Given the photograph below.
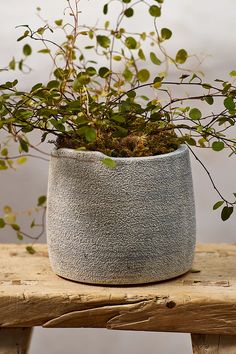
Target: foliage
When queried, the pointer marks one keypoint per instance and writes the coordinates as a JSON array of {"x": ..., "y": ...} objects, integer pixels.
[{"x": 95, "y": 98}]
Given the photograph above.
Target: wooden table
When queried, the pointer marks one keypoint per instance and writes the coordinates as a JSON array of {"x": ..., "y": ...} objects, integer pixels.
[{"x": 201, "y": 303}]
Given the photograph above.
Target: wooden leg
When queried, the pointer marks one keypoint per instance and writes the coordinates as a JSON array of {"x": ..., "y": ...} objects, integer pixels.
[
  {"x": 213, "y": 344},
  {"x": 14, "y": 340}
]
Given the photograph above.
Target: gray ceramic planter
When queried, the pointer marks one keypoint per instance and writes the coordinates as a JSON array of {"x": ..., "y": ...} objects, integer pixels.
[{"x": 129, "y": 225}]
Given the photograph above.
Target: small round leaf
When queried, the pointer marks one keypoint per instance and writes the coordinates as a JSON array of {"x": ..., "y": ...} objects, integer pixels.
[
  {"x": 226, "y": 213},
  {"x": 218, "y": 145},
  {"x": 195, "y": 114},
  {"x": 229, "y": 103},
  {"x": 166, "y": 33},
  {"x": 103, "y": 41},
  {"x": 181, "y": 56},
  {"x": 108, "y": 162},
  {"x": 143, "y": 75},
  {"x": 131, "y": 43},
  {"x": 2, "y": 223},
  {"x": 27, "y": 50},
  {"x": 129, "y": 12},
  {"x": 155, "y": 11},
  {"x": 104, "y": 72}
]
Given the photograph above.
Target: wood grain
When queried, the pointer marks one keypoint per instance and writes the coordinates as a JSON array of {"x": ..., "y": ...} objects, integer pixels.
[
  {"x": 205, "y": 302},
  {"x": 14, "y": 340},
  {"x": 213, "y": 344}
]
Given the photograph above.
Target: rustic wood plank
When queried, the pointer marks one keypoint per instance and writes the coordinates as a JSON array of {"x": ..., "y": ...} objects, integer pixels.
[
  {"x": 213, "y": 344},
  {"x": 15, "y": 340},
  {"x": 32, "y": 295}
]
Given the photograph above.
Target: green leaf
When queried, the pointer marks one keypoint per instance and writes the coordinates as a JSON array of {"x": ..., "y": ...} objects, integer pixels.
[
  {"x": 190, "y": 140},
  {"x": 12, "y": 64},
  {"x": 154, "y": 59},
  {"x": 53, "y": 84},
  {"x": 131, "y": 43},
  {"x": 27, "y": 50},
  {"x": 41, "y": 30},
  {"x": 4, "y": 152},
  {"x": 21, "y": 160},
  {"x": 2, "y": 223},
  {"x": 117, "y": 57},
  {"x": 143, "y": 75},
  {"x": 30, "y": 249},
  {"x": 143, "y": 36},
  {"x": 155, "y": 11},
  {"x": 126, "y": 1},
  {"x": 131, "y": 94},
  {"x": 58, "y": 125},
  {"x": 141, "y": 54},
  {"x": 44, "y": 51},
  {"x": 80, "y": 81},
  {"x": 226, "y": 213},
  {"x": 3, "y": 165},
  {"x": 120, "y": 132},
  {"x": 108, "y": 162},
  {"x": 89, "y": 133},
  {"x": 229, "y": 103},
  {"x": 129, "y": 12},
  {"x": 59, "y": 73},
  {"x": 232, "y": 73},
  {"x": 24, "y": 36},
  {"x": 195, "y": 270},
  {"x": 166, "y": 33},
  {"x": 19, "y": 236},
  {"x": 15, "y": 227},
  {"x": 91, "y": 71},
  {"x": 206, "y": 86},
  {"x": 209, "y": 99},
  {"x": 218, "y": 145},
  {"x": 155, "y": 117},
  {"x": 226, "y": 88},
  {"x": 42, "y": 200},
  {"x": 195, "y": 114},
  {"x": 218, "y": 204},
  {"x": 103, "y": 41},
  {"x": 104, "y": 72},
  {"x": 181, "y": 56},
  {"x": 7, "y": 209},
  {"x": 59, "y": 22},
  {"x": 24, "y": 145},
  {"x": 105, "y": 9},
  {"x": 36, "y": 87},
  {"x": 10, "y": 218},
  {"x": 128, "y": 75},
  {"x": 118, "y": 118}
]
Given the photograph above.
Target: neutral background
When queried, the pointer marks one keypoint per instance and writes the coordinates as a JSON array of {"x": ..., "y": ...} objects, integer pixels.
[{"x": 202, "y": 27}]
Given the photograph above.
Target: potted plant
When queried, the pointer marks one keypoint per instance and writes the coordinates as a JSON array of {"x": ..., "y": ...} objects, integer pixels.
[{"x": 120, "y": 195}]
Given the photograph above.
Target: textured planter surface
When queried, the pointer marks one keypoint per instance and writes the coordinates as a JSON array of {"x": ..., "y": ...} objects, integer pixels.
[{"x": 129, "y": 225}]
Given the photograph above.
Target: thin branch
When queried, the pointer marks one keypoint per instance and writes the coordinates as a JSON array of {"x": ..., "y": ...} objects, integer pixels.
[{"x": 210, "y": 177}]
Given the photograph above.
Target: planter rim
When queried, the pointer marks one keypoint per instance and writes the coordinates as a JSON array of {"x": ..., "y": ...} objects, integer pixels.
[{"x": 75, "y": 154}]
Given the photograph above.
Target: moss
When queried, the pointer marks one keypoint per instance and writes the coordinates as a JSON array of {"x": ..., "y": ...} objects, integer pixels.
[{"x": 152, "y": 141}]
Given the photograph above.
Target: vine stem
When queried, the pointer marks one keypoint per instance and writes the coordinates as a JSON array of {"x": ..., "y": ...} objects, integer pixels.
[
  {"x": 23, "y": 155},
  {"x": 163, "y": 83},
  {"x": 210, "y": 177}
]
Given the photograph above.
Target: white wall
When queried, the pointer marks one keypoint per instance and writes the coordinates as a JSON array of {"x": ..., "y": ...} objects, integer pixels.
[{"x": 206, "y": 27}]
